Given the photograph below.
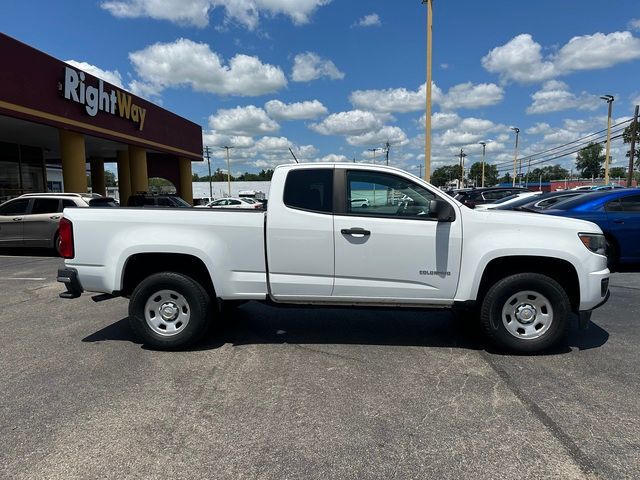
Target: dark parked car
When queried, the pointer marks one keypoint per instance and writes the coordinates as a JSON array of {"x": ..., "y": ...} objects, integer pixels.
[
  {"x": 166, "y": 201},
  {"x": 541, "y": 202},
  {"x": 478, "y": 196},
  {"x": 617, "y": 213}
]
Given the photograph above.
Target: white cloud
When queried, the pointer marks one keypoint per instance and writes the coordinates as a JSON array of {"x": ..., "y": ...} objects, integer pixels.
[
  {"x": 468, "y": 95},
  {"x": 634, "y": 24},
  {"x": 111, "y": 76},
  {"x": 371, "y": 20},
  {"x": 333, "y": 158},
  {"x": 440, "y": 120},
  {"x": 245, "y": 121},
  {"x": 555, "y": 96},
  {"x": 390, "y": 100},
  {"x": 310, "y": 66},
  {"x": 521, "y": 60},
  {"x": 216, "y": 139},
  {"x": 539, "y": 128},
  {"x": 352, "y": 123},
  {"x": 463, "y": 95},
  {"x": 295, "y": 111},
  {"x": 185, "y": 62},
  {"x": 196, "y": 12},
  {"x": 273, "y": 144},
  {"x": 393, "y": 135}
]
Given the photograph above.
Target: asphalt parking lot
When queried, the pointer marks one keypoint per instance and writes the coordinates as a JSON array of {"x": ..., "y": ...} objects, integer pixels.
[{"x": 296, "y": 393}]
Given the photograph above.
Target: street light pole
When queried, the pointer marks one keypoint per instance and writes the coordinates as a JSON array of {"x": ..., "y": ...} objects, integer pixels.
[
  {"x": 374, "y": 150},
  {"x": 515, "y": 157},
  {"x": 228, "y": 169},
  {"x": 427, "y": 122},
  {"x": 462, "y": 155},
  {"x": 609, "y": 99},
  {"x": 484, "y": 146},
  {"x": 207, "y": 151}
]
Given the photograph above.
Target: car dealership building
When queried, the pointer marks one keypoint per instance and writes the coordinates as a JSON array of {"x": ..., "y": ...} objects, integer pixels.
[{"x": 53, "y": 114}]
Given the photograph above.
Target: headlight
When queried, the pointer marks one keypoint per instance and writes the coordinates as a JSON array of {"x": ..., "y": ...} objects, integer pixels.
[{"x": 594, "y": 242}]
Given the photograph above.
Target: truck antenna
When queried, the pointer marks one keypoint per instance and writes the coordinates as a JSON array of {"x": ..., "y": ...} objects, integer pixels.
[{"x": 294, "y": 156}]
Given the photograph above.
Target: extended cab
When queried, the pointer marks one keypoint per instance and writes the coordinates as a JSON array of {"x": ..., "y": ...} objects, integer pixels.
[{"x": 413, "y": 246}]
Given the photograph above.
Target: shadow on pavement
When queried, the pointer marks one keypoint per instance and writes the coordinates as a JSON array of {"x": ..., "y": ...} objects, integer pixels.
[{"x": 255, "y": 323}]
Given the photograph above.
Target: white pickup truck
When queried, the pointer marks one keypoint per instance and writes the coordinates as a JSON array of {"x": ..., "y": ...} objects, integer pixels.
[{"x": 521, "y": 274}]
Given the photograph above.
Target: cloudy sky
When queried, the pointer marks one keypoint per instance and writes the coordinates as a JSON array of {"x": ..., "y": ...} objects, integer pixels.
[{"x": 334, "y": 78}]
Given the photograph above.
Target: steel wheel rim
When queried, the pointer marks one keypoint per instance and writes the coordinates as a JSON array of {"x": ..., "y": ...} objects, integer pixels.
[
  {"x": 527, "y": 315},
  {"x": 167, "y": 313}
]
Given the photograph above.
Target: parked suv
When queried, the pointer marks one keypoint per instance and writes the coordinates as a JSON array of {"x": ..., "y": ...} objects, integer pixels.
[
  {"x": 479, "y": 196},
  {"x": 31, "y": 220}
]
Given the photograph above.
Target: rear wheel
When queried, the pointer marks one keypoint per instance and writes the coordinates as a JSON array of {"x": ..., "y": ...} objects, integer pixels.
[
  {"x": 56, "y": 244},
  {"x": 169, "y": 310},
  {"x": 526, "y": 312}
]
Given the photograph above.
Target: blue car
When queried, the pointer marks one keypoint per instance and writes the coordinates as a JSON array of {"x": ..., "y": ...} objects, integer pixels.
[{"x": 617, "y": 213}]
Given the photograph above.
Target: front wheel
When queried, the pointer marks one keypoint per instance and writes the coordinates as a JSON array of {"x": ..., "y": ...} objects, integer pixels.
[
  {"x": 526, "y": 312},
  {"x": 169, "y": 310}
]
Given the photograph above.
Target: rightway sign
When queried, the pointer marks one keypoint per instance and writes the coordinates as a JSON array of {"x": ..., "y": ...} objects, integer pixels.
[{"x": 95, "y": 99}]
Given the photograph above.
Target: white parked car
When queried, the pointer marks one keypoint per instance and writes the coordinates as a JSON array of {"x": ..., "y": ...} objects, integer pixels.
[
  {"x": 506, "y": 200},
  {"x": 359, "y": 202},
  {"x": 232, "y": 202}
]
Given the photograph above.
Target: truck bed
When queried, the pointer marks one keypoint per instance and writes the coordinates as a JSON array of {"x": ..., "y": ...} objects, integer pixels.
[{"x": 232, "y": 240}]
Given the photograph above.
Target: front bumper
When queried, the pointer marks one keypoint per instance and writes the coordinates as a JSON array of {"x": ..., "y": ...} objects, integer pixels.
[
  {"x": 584, "y": 316},
  {"x": 69, "y": 276}
]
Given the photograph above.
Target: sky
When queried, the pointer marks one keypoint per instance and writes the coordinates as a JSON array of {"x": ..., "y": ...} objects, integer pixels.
[{"x": 333, "y": 79}]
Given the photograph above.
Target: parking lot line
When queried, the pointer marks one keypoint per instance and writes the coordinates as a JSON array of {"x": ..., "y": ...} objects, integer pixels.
[{"x": 23, "y": 278}]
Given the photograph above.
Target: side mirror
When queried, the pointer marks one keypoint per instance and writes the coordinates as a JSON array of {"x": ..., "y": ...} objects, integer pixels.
[{"x": 441, "y": 211}]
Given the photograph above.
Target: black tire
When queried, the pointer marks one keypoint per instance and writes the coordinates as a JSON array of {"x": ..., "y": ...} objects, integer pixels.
[
  {"x": 56, "y": 244},
  {"x": 189, "y": 301},
  {"x": 612, "y": 255},
  {"x": 526, "y": 313}
]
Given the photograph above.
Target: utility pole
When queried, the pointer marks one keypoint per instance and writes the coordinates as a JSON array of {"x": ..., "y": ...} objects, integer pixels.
[
  {"x": 207, "y": 152},
  {"x": 427, "y": 120},
  {"x": 374, "y": 150},
  {"x": 228, "y": 168},
  {"x": 609, "y": 99},
  {"x": 634, "y": 127},
  {"x": 387, "y": 146},
  {"x": 484, "y": 147},
  {"x": 420, "y": 167},
  {"x": 462, "y": 155},
  {"x": 515, "y": 157}
]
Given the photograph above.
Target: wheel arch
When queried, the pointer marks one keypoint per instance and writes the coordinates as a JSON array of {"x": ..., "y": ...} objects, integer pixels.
[
  {"x": 139, "y": 266},
  {"x": 560, "y": 270}
]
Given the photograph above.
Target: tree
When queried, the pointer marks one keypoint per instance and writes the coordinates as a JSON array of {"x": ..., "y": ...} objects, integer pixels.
[
  {"x": 195, "y": 178},
  {"x": 443, "y": 175},
  {"x": 109, "y": 179},
  {"x": 589, "y": 161},
  {"x": 626, "y": 136},
  {"x": 490, "y": 174},
  {"x": 615, "y": 172},
  {"x": 506, "y": 178},
  {"x": 548, "y": 173}
]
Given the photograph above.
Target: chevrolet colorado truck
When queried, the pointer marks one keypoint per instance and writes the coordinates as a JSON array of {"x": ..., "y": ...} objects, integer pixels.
[{"x": 523, "y": 276}]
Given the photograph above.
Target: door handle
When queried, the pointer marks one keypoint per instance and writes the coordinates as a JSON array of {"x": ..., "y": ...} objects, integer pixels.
[
  {"x": 55, "y": 217},
  {"x": 618, "y": 221},
  {"x": 355, "y": 231},
  {"x": 17, "y": 219}
]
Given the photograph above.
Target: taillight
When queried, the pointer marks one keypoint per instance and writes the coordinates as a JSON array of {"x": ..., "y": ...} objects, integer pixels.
[{"x": 65, "y": 238}]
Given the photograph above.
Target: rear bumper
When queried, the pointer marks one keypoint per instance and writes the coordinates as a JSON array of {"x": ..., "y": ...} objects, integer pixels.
[{"x": 69, "y": 276}]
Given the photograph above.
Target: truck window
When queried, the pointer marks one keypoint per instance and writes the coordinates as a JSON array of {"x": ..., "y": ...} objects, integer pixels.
[
  {"x": 310, "y": 189},
  {"x": 386, "y": 195}
]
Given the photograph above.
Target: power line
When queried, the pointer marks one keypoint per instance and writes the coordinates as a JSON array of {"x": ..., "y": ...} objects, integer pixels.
[{"x": 581, "y": 140}]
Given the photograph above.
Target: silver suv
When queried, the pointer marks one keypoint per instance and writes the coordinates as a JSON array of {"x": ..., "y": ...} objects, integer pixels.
[{"x": 31, "y": 220}]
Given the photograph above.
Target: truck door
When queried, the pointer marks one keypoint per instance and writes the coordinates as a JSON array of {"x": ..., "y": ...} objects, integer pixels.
[
  {"x": 388, "y": 250},
  {"x": 300, "y": 250}
]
